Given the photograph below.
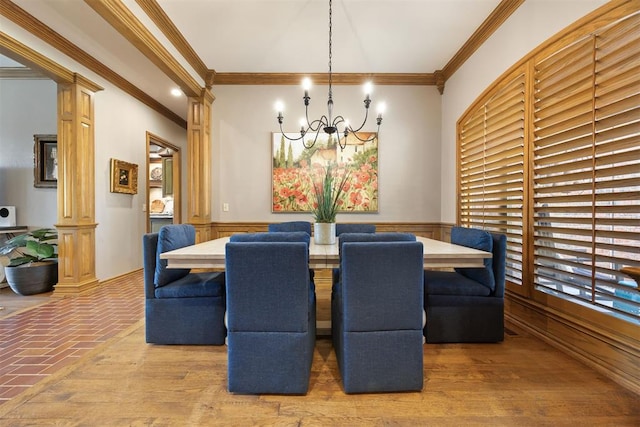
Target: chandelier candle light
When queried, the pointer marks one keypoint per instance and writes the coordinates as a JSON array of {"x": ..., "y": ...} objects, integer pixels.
[{"x": 328, "y": 123}]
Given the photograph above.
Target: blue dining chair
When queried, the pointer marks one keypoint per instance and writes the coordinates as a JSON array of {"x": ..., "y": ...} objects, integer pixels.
[
  {"x": 467, "y": 304},
  {"x": 377, "y": 316},
  {"x": 271, "y": 317},
  {"x": 181, "y": 307}
]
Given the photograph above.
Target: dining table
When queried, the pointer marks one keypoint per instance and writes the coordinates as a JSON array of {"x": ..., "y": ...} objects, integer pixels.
[{"x": 437, "y": 254}]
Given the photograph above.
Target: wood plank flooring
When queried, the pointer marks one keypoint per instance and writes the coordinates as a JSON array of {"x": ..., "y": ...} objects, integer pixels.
[{"x": 126, "y": 382}]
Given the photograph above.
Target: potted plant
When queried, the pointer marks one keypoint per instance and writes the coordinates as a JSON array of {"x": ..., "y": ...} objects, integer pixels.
[
  {"x": 33, "y": 264},
  {"x": 328, "y": 191}
]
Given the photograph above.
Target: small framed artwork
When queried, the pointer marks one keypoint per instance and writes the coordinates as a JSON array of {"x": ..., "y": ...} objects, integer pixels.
[
  {"x": 124, "y": 177},
  {"x": 155, "y": 173},
  {"x": 45, "y": 154}
]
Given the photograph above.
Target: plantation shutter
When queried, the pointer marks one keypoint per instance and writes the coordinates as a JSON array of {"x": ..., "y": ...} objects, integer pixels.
[
  {"x": 491, "y": 159},
  {"x": 587, "y": 167},
  {"x": 617, "y": 163}
]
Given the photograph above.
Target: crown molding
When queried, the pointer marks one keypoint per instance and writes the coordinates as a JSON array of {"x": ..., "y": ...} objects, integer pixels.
[
  {"x": 484, "y": 31},
  {"x": 20, "y": 52},
  {"x": 409, "y": 79},
  {"x": 126, "y": 23},
  {"x": 171, "y": 32},
  {"x": 122, "y": 19},
  {"x": 21, "y": 73},
  {"x": 26, "y": 56}
]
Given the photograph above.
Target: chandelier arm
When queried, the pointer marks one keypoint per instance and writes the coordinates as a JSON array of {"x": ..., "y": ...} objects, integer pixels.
[
  {"x": 366, "y": 117},
  {"x": 373, "y": 138},
  {"x": 314, "y": 140},
  {"x": 321, "y": 122},
  {"x": 291, "y": 139},
  {"x": 337, "y": 120}
]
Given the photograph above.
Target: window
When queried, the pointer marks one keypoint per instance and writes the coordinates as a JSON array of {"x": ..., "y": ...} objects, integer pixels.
[{"x": 579, "y": 194}]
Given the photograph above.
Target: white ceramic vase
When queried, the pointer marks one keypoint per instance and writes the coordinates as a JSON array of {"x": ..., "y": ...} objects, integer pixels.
[{"x": 324, "y": 233}]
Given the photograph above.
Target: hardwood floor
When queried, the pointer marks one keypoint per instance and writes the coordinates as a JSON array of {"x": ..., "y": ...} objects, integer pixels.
[{"x": 124, "y": 381}]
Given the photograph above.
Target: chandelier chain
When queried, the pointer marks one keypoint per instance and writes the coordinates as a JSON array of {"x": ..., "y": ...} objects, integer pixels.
[{"x": 330, "y": 33}]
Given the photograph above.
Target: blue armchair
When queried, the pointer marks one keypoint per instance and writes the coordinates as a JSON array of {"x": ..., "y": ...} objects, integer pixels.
[
  {"x": 271, "y": 317},
  {"x": 377, "y": 317},
  {"x": 291, "y": 226},
  {"x": 180, "y": 307},
  {"x": 467, "y": 305}
]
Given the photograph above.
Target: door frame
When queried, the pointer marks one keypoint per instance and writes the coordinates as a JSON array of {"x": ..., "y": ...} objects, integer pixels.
[{"x": 177, "y": 187}]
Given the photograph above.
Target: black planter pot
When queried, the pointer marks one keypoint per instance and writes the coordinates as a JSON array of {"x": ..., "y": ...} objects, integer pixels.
[{"x": 32, "y": 279}]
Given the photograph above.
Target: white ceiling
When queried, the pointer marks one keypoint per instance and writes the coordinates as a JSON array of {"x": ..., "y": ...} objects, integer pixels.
[{"x": 369, "y": 36}]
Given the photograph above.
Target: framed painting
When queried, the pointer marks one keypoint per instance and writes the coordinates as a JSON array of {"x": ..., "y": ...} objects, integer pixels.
[
  {"x": 155, "y": 173},
  {"x": 124, "y": 177},
  {"x": 45, "y": 154},
  {"x": 293, "y": 168}
]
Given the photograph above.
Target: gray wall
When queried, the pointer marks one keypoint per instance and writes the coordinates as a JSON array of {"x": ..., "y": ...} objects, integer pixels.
[
  {"x": 409, "y": 149},
  {"x": 27, "y": 107}
]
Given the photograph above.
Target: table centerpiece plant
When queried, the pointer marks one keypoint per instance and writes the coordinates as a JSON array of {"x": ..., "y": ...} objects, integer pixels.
[{"x": 329, "y": 184}]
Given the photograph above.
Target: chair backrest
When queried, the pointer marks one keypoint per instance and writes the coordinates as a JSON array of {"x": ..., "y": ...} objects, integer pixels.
[
  {"x": 149, "y": 255},
  {"x": 281, "y": 236},
  {"x": 499, "y": 262},
  {"x": 268, "y": 286},
  {"x": 492, "y": 275},
  {"x": 171, "y": 237},
  {"x": 291, "y": 226},
  {"x": 382, "y": 285},
  {"x": 355, "y": 228},
  {"x": 168, "y": 238},
  {"x": 375, "y": 237}
]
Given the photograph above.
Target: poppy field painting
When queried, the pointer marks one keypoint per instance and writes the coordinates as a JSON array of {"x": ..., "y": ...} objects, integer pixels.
[{"x": 294, "y": 169}]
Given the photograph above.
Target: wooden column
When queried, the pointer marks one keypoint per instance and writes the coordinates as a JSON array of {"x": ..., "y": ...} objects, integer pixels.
[
  {"x": 199, "y": 164},
  {"x": 76, "y": 187}
]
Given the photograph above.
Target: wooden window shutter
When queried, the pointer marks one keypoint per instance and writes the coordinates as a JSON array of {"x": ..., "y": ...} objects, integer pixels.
[
  {"x": 491, "y": 161},
  {"x": 587, "y": 167}
]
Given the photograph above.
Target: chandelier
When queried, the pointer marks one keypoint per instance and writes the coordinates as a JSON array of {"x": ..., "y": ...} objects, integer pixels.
[{"x": 327, "y": 123}]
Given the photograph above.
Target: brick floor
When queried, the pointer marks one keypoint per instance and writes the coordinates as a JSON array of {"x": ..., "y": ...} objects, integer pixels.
[{"x": 40, "y": 341}]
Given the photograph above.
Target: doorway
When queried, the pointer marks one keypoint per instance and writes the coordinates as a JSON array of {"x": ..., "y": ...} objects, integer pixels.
[{"x": 163, "y": 183}]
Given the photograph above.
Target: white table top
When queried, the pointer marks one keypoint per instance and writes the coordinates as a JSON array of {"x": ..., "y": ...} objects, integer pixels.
[{"x": 437, "y": 254}]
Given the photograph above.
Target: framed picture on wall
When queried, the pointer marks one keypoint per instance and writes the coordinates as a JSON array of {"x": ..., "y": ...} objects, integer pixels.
[
  {"x": 155, "y": 173},
  {"x": 124, "y": 177},
  {"x": 293, "y": 168},
  {"x": 45, "y": 155}
]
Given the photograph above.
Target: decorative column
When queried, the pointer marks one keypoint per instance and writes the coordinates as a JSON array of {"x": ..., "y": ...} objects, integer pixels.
[
  {"x": 76, "y": 187},
  {"x": 199, "y": 164}
]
